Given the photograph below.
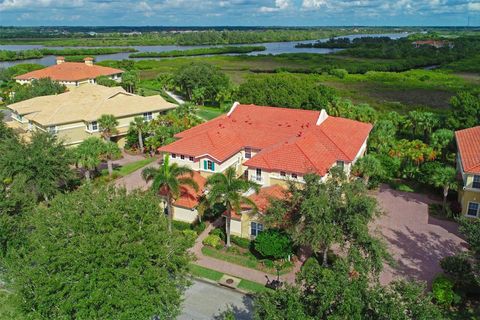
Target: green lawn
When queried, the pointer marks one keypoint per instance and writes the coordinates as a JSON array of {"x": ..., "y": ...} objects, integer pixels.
[
  {"x": 134, "y": 166},
  {"x": 7, "y": 307},
  {"x": 201, "y": 272},
  {"x": 209, "y": 113},
  {"x": 251, "y": 286}
]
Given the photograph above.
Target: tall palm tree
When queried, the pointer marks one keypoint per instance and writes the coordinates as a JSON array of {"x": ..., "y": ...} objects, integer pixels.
[
  {"x": 110, "y": 152},
  {"x": 444, "y": 177},
  {"x": 138, "y": 124},
  {"x": 108, "y": 126},
  {"x": 227, "y": 189},
  {"x": 167, "y": 180},
  {"x": 88, "y": 155}
]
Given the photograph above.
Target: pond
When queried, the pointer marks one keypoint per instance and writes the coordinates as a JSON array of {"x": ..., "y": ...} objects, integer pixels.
[{"x": 271, "y": 48}]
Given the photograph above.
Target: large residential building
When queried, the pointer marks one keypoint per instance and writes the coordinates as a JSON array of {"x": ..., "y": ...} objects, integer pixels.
[
  {"x": 270, "y": 146},
  {"x": 468, "y": 164},
  {"x": 71, "y": 74},
  {"x": 73, "y": 115}
]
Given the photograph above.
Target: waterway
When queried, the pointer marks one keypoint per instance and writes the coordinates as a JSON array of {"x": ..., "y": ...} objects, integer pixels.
[{"x": 273, "y": 48}]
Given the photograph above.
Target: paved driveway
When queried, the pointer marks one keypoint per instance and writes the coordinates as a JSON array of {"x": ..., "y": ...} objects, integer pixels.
[
  {"x": 417, "y": 241},
  {"x": 207, "y": 301}
]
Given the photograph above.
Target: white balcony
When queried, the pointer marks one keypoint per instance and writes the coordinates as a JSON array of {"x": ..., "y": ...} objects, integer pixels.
[{"x": 256, "y": 178}]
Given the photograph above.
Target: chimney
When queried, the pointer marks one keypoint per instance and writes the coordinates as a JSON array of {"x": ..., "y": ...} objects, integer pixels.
[
  {"x": 60, "y": 60},
  {"x": 88, "y": 61},
  {"x": 323, "y": 116}
]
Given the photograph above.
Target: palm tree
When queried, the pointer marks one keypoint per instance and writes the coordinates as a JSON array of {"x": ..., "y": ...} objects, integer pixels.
[
  {"x": 88, "y": 155},
  {"x": 227, "y": 189},
  {"x": 168, "y": 179},
  {"x": 444, "y": 177},
  {"x": 111, "y": 151},
  {"x": 138, "y": 124},
  {"x": 108, "y": 126},
  {"x": 369, "y": 166}
]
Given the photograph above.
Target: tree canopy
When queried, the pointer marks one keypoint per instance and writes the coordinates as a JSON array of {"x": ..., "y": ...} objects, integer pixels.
[
  {"x": 41, "y": 87},
  {"x": 100, "y": 254}
]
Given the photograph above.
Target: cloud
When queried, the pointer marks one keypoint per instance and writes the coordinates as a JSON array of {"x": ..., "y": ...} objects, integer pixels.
[{"x": 278, "y": 5}]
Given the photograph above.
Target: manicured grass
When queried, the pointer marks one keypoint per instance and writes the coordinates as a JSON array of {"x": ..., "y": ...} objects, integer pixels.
[
  {"x": 7, "y": 307},
  {"x": 134, "y": 166},
  {"x": 201, "y": 272},
  {"x": 251, "y": 286},
  {"x": 208, "y": 113}
]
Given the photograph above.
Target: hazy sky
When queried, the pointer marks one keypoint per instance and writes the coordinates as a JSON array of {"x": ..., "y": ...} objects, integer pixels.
[{"x": 239, "y": 12}]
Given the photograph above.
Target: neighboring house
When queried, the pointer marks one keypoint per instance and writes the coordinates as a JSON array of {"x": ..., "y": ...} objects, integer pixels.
[
  {"x": 433, "y": 43},
  {"x": 72, "y": 74},
  {"x": 270, "y": 146},
  {"x": 468, "y": 164},
  {"x": 73, "y": 115}
]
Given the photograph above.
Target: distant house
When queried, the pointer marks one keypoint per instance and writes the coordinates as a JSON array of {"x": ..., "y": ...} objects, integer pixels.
[
  {"x": 433, "y": 43},
  {"x": 270, "y": 146},
  {"x": 468, "y": 165},
  {"x": 71, "y": 74},
  {"x": 73, "y": 115}
]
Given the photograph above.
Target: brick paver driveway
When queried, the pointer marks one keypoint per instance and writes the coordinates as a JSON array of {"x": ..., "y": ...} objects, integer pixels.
[{"x": 417, "y": 241}]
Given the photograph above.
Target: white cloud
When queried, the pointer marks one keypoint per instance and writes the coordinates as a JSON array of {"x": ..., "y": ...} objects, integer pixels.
[{"x": 279, "y": 5}]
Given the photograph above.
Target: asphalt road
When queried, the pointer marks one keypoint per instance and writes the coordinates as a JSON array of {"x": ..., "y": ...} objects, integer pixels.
[{"x": 207, "y": 301}]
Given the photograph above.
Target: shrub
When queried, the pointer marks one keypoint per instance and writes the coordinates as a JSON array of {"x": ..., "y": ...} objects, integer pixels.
[
  {"x": 180, "y": 225},
  {"x": 443, "y": 293},
  {"x": 199, "y": 227},
  {"x": 459, "y": 267},
  {"x": 241, "y": 242},
  {"x": 268, "y": 263},
  {"x": 190, "y": 235},
  {"x": 456, "y": 208},
  {"x": 339, "y": 73},
  {"x": 218, "y": 232},
  {"x": 213, "y": 241},
  {"x": 274, "y": 244}
]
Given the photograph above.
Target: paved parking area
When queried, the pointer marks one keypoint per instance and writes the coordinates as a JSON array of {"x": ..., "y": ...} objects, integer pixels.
[
  {"x": 207, "y": 301},
  {"x": 417, "y": 241}
]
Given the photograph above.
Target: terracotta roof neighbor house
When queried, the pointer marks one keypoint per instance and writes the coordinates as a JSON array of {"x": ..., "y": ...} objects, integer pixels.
[
  {"x": 468, "y": 142},
  {"x": 291, "y": 140},
  {"x": 71, "y": 72},
  {"x": 263, "y": 197},
  {"x": 189, "y": 198}
]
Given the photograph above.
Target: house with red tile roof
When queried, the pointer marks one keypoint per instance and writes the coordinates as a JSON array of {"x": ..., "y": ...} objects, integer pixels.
[
  {"x": 468, "y": 165},
  {"x": 72, "y": 74},
  {"x": 270, "y": 146}
]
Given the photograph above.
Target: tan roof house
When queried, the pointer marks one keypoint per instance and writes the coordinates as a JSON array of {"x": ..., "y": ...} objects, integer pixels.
[
  {"x": 71, "y": 74},
  {"x": 73, "y": 115}
]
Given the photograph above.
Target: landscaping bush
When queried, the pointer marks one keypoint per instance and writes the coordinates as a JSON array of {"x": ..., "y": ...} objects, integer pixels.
[
  {"x": 213, "y": 241},
  {"x": 180, "y": 225},
  {"x": 443, "y": 292},
  {"x": 199, "y": 227},
  {"x": 241, "y": 242},
  {"x": 459, "y": 268},
  {"x": 190, "y": 236},
  {"x": 219, "y": 232},
  {"x": 274, "y": 244}
]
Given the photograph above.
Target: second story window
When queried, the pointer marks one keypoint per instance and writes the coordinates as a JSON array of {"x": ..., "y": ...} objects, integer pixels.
[
  {"x": 248, "y": 153},
  {"x": 283, "y": 174},
  {"x": 93, "y": 126},
  {"x": 341, "y": 164},
  {"x": 294, "y": 176},
  {"x": 52, "y": 129},
  {"x": 191, "y": 159},
  {"x": 147, "y": 116},
  {"x": 476, "y": 182},
  {"x": 208, "y": 165},
  {"x": 174, "y": 156},
  {"x": 182, "y": 157}
]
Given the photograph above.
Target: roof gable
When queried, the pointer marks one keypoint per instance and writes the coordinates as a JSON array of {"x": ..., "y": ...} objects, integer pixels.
[{"x": 468, "y": 142}]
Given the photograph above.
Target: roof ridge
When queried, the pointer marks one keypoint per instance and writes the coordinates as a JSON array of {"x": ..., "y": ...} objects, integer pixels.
[
  {"x": 334, "y": 143},
  {"x": 303, "y": 152}
]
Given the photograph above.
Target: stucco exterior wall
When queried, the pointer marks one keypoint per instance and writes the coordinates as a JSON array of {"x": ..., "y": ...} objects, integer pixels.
[
  {"x": 184, "y": 214},
  {"x": 466, "y": 196},
  {"x": 236, "y": 228}
]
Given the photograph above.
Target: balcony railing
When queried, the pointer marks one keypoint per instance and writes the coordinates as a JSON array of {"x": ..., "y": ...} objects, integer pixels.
[{"x": 256, "y": 178}]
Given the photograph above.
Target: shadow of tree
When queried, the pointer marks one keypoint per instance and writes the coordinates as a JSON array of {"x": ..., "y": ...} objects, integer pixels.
[
  {"x": 244, "y": 313},
  {"x": 418, "y": 254}
]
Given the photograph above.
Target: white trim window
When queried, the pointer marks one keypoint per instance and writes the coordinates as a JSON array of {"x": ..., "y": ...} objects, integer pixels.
[
  {"x": 93, "y": 126},
  {"x": 473, "y": 208},
  {"x": 341, "y": 164},
  {"x": 52, "y": 129},
  {"x": 147, "y": 116},
  {"x": 476, "y": 182},
  {"x": 255, "y": 228},
  {"x": 248, "y": 153}
]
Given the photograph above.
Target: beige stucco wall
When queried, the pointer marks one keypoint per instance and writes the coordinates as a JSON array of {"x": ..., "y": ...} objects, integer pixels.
[
  {"x": 184, "y": 214},
  {"x": 466, "y": 196},
  {"x": 236, "y": 228}
]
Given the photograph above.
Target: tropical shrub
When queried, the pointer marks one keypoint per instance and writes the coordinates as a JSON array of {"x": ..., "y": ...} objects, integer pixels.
[
  {"x": 213, "y": 241},
  {"x": 180, "y": 225},
  {"x": 219, "y": 232},
  {"x": 274, "y": 244},
  {"x": 241, "y": 242},
  {"x": 443, "y": 292},
  {"x": 198, "y": 227},
  {"x": 339, "y": 73}
]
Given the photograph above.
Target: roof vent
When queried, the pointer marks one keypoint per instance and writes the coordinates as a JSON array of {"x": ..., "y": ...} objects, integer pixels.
[
  {"x": 323, "y": 116},
  {"x": 235, "y": 104},
  {"x": 88, "y": 61},
  {"x": 60, "y": 60}
]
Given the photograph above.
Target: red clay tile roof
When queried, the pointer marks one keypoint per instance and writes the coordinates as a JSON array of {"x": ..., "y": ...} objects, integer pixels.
[
  {"x": 188, "y": 196},
  {"x": 262, "y": 199},
  {"x": 69, "y": 71},
  {"x": 468, "y": 142},
  {"x": 290, "y": 139}
]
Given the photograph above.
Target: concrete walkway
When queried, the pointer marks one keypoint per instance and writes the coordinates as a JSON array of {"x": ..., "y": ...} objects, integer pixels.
[
  {"x": 134, "y": 180},
  {"x": 235, "y": 269}
]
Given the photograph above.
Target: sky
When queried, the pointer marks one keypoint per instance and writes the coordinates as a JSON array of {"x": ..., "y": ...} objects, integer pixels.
[{"x": 239, "y": 12}]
